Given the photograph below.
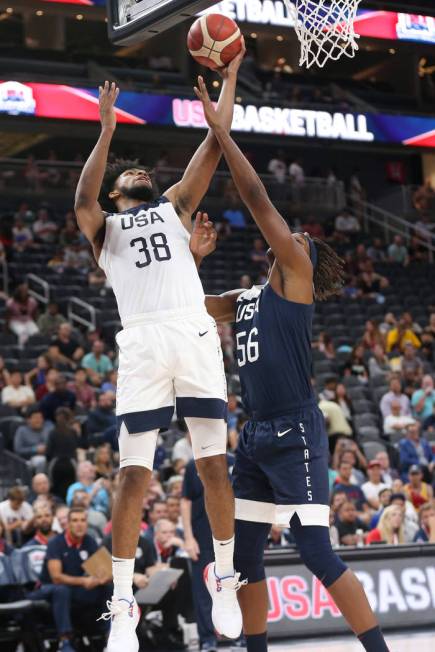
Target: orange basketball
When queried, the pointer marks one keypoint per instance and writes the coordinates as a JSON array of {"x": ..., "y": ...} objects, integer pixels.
[{"x": 214, "y": 40}]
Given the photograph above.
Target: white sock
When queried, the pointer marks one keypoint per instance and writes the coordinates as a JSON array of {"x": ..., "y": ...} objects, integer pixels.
[
  {"x": 224, "y": 556},
  {"x": 123, "y": 570}
]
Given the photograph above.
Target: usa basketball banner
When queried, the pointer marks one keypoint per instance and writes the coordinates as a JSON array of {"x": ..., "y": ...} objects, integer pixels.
[
  {"x": 70, "y": 103},
  {"x": 390, "y": 25},
  {"x": 399, "y": 591}
]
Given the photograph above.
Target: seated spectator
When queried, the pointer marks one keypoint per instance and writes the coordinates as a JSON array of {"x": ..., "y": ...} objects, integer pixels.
[
  {"x": 83, "y": 391},
  {"x": 347, "y": 223},
  {"x": 352, "y": 491},
  {"x": 399, "y": 336},
  {"x": 374, "y": 484},
  {"x": 59, "y": 397},
  {"x": 44, "y": 229},
  {"x": 397, "y": 252},
  {"x": 43, "y": 523},
  {"x": 423, "y": 400},
  {"x": 278, "y": 537},
  {"x": 379, "y": 364},
  {"x": 388, "y": 474},
  {"x": 102, "y": 416},
  {"x": 325, "y": 345},
  {"x": 356, "y": 365},
  {"x": 65, "y": 438},
  {"x": 416, "y": 490},
  {"x": 395, "y": 394},
  {"x": 21, "y": 313},
  {"x": 158, "y": 510},
  {"x": 96, "y": 363},
  {"x": 5, "y": 547},
  {"x": 40, "y": 491},
  {"x": 22, "y": 236},
  {"x": 63, "y": 580},
  {"x": 411, "y": 366},
  {"x": 396, "y": 422},
  {"x": 371, "y": 284},
  {"x": 426, "y": 517},
  {"x": 376, "y": 251},
  {"x": 258, "y": 255},
  {"x": 296, "y": 173},
  {"x": 390, "y": 528},
  {"x": 30, "y": 440},
  {"x": 36, "y": 377},
  {"x": 278, "y": 167},
  {"x": 384, "y": 500},
  {"x": 65, "y": 348},
  {"x": 50, "y": 320},
  {"x": 48, "y": 384},
  {"x": 57, "y": 262},
  {"x": 349, "y": 526},
  {"x": 234, "y": 214},
  {"x": 17, "y": 395},
  {"x": 349, "y": 452},
  {"x": 61, "y": 516},
  {"x": 111, "y": 382},
  {"x": 416, "y": 451},
  {"x": 97, "y": 489},
  {"x": 389, "y": 323},
  {"x": 69, "y": 235},
  {"x": 16, "y": 515},
  {"x": 97, "y": 521},
  {"x": 372, "y": 336}
]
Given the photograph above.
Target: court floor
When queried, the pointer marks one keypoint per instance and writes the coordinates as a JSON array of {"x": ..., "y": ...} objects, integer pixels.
[{"x": 407, "y": 642}]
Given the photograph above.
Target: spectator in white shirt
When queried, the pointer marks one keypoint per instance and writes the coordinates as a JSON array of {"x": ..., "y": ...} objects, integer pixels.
[
  {"x": 396, "y": 422},
  {"x": 296, "y": 172},
  {"x": 278, "y": 167},
  {"x": 347, "y": 223},
  {"x": 17, "y": 395},
  {"x": 395, "y": 394},
  {"x": 16, "y": 515},
  {"x": 374, "y": 485},
  {"x": 44, "y": 229}
]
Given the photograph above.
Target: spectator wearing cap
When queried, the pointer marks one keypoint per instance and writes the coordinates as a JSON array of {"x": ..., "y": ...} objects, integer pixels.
[
  {"x": 416, "y": 490},
  {"x": 16, "y": 515},
  {"x": 374, "y": 485},
  {"x": 426, "y": 517},
  {"x": 415, "y": 451},
  {"x": 396, "y": 422},
  {"x": 423, "y": 399},
  {"x": 50, "y": 320},
  {"x": 390, "y": 528},
  {"x": 17, "y": 395},
  {"x": 30, "y": 440},
  {"x": 397, "y": 252},
  {"x": 96, "y": 363},
  {"x": 395, "y": 394}
]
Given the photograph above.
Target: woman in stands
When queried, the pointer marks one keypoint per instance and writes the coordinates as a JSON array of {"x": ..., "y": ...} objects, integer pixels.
[{"x": 390, "y": 527}]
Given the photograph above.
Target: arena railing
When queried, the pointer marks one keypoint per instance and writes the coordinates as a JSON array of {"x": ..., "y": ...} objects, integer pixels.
[
  {"x": 76, "y": 307},
  {"x": 392, "y": 225},
  {"x": 41, "y": 294}
]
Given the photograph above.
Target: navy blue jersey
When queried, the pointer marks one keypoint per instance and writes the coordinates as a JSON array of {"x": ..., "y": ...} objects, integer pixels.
[{"x": 273, "y": 338}]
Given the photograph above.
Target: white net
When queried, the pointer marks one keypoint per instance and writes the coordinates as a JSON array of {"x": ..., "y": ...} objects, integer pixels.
[{"x": 325, "y": 29}]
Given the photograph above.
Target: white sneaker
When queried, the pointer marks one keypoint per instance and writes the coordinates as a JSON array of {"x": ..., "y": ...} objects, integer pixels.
[
  {"x": 225, "y": 613},
  {"x": 125, "y": 615}
]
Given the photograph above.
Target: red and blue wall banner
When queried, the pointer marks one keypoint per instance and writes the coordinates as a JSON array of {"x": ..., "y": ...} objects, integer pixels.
[
  {"x": 64, "y": 102},
  {"x": 390, "y": 25}
]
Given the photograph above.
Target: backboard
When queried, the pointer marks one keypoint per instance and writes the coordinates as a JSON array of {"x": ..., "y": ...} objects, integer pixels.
[{"x": 132, "y": 21}]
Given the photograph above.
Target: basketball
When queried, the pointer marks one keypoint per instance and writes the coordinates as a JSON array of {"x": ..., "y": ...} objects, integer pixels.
[{"x": 214, "y": 40}]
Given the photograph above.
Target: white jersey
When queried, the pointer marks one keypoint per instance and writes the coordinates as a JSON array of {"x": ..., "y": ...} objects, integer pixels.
[{"x": 148, "y": 263}]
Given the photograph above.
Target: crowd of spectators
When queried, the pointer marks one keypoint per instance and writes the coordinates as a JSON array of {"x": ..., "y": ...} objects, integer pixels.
[{"x": 59, "y": 420}]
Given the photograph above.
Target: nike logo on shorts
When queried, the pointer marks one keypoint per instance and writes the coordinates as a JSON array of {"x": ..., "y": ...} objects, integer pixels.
[
  {"x": 202, "y": 334},
  {"x": 204, "y": 448},
  {"x": 281, "y": 434}
]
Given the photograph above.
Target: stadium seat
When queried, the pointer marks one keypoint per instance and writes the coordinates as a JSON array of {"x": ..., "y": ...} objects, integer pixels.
[
  {"x": 363, "y": 405},
  {"x": 368, "y": 433},
  {"x": 363, "y": 420},
  {"x": 372, "y": 448},
  {"x": 357, "y": 393}
]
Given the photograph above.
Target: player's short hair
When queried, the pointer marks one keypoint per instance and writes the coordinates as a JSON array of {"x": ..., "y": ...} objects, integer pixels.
[
  {"x": 114, "y": 171},
  {"x": 329, "y": 275}
]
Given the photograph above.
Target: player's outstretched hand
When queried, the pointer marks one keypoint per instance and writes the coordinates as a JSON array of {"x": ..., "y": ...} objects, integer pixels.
[
  {"x": 108, "y": 94},
  {"x": 233, "y": 67},
  {"x": 213, "y": 117},
  {"x": 203, "y": 239}
]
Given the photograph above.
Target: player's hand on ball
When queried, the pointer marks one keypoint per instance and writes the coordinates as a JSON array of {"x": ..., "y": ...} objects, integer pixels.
[
  {"x": 203, "y": 238},
  {"x": 108, "y": 94},
  {"x": 233, "y": 67},
  {"x": 211, "y": 114}
]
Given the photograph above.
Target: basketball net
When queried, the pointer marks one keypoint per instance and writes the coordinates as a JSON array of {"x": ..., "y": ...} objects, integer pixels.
[{"x": 325, "y": 29}]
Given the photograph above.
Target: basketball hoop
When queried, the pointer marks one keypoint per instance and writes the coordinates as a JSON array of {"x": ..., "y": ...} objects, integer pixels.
[{"x": 325, "y": 29}]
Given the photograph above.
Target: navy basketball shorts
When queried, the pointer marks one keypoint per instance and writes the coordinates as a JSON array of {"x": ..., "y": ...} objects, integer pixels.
[{"x": 281, "y": 468}]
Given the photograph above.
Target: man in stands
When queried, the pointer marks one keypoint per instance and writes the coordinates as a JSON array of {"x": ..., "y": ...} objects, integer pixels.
[
  {"x": 347, "y": 224},
  {"x": 395, "y": 394},
  {"x": 352, "y": 491},
  {"x": 374, "y": 485},
  {"x": 99, "y": 497},
  {"x": 388, "y": 473},
  {"x": 348, "y": 523},
  {"x": 30, "y": 440},
  {"x": 62, "y": 568},
  {"x": 50, "y": 321},
  {"x": 397, "y": 422},
  {"x": 426, "y": 533},
  {"x": 16, "y": 515},
  {"x": 66, "y": 348},
  {"x": 59, "y": 397},
  {"x": 17, "y": 395},
  {"x": 97, "y": 521},
  {"x": 416, "y": 451},
  {"x": 96, "y": 363},
  {"x": 423, "y": 400},
  {"x": 103, "y": 415},
  {"x": 158, "y": 510},
  {"x": 41, "y": 491},
  {"x": 397, "y": 252},
  {"x": 43, "y": 524}
]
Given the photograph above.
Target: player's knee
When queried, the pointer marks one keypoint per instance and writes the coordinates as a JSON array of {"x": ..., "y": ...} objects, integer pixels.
[
  {"x": 213, "y": 471},
  {"x": 133, "y": 477},
  {"x": 318, "y": 556},
  {"x": 250, "y": 542}
]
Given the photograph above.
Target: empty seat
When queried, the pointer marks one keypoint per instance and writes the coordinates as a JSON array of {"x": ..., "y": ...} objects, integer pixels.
[
  {"x": 363, "y": 405},
  {"x": 368, "y": 433},
  {"x": 364, "y": 420},
  {"x": 372, "y": 448}
]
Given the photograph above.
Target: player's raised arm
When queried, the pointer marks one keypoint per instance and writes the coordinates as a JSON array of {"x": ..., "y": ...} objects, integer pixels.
[
  {"x": 253, "y": 193},
  {"x": 90, "y": 216},
  {"x": 188, "y": 193}
]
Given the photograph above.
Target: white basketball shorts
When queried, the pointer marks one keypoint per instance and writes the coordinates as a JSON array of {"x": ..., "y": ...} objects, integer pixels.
[{"x": 169, "y": 359}]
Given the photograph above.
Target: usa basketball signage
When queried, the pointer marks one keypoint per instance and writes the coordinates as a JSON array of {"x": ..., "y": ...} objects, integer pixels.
[{"x": 396, "y": 588}]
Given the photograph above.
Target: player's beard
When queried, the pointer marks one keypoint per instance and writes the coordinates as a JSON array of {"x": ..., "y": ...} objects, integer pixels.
[{"x": 143, "y": 193}]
